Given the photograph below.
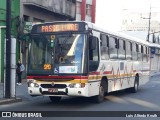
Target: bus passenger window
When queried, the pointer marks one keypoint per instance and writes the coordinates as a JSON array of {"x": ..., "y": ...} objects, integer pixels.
[
  {"x": 145, "y": 54},
  {"x": 141, "y": 49},
  {"x": 128, "y": 50},
  {"x": 121, "y": 50},
  {"x": 134, "y": 51},
  {"x": 140, "y": 53},
  {"x": 104, "y": 47},
  {"x": 112, "y": 48},
  {"x": 137, "y": 48},
  {"x": 117, "y": 43}
]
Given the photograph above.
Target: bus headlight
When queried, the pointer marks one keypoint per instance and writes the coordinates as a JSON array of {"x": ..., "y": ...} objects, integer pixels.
[
  {"x": 33, "y": 85},
  {"x": 76, "y": 85}
]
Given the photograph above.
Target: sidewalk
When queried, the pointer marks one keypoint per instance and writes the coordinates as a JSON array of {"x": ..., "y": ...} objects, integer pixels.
[{"x": 8, "y": 100}]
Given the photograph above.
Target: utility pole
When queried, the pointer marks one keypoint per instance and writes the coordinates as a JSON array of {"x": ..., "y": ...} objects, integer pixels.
[
  {"x": 7, "y": 87},
  {"x": 149, "y": 24}
]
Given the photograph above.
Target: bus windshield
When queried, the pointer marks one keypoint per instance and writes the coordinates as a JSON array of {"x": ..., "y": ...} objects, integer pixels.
[{"x": 56, "y": 54}]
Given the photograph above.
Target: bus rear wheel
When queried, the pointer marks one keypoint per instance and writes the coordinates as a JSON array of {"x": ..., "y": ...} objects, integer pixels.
[
  {"x": 136, "y": 85},
  {"x": 55, "y": 99}
]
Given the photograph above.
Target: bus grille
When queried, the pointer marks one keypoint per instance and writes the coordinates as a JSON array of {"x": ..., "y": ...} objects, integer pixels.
[
  {"x": 53, "y": 86},
  {"x": 58, "y": 93}
]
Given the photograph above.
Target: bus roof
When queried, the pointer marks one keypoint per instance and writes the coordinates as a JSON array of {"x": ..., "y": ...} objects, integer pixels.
[{"x": 118, "y": 34}]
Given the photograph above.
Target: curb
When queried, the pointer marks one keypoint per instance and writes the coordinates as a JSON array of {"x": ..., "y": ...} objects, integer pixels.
[{"x": 8, "y": 101}]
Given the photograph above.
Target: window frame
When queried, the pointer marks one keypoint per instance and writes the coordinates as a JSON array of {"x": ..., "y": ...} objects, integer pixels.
[
  {"x": 113, "y": 46},
  {"x": 103, "y": 45}
]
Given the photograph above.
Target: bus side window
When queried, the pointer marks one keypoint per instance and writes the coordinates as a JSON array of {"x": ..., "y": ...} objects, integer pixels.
[
  {"x": 140, "y": 53},
  {"x": 141, "y": 46},
  {"x": 104, "y": 47},
  {"x": 137, "y": 48},
  {"x": 112, "y": 48},
  {"x": 121, "y": 50},
  {"x": 107, "y": 41},
  {"x": 94, "y": 55},
  {"x": 145, "y": 54},
  {"x": 128, "y": 50},
  {"x": 141, "y": 49},
  {"x": 117, "y": 43},
  {"x": 134, "y": 51}
]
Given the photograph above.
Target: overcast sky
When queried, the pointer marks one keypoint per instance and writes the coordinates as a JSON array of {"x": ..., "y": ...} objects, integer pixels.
[{"x": 109, "y": 12}]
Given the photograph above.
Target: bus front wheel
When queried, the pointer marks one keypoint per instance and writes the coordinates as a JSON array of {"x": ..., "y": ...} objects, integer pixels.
[{"x": 99, "y": 98}]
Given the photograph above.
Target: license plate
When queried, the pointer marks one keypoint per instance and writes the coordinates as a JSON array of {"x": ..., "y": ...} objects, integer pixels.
[{"x": 52, "y": 90}]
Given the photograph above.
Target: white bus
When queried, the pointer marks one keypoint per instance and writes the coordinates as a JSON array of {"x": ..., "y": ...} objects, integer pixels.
[{"x": 71, "y": 58}]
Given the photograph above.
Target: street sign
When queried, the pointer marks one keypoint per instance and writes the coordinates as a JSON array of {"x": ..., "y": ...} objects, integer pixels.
[{"x": 27, "y": 27}]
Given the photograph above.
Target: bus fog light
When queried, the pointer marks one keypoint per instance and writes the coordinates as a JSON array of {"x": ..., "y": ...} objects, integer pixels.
[
  {"x": 36, "y": 85},
  {"x": 77, "y": 85}
]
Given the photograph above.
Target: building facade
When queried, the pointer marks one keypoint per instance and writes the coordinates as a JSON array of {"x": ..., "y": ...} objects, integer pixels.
[
  {"x": 135, "y": 21},
  {"x": 86, "y": 10},
  {"x": 47, "y": 10},
  {"x": 14, "y": 29}
]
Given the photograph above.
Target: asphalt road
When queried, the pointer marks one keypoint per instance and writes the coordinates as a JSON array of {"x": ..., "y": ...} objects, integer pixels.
[{"x": 146, "y": 99}]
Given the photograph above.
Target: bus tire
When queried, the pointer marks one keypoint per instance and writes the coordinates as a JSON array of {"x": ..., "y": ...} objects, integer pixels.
[
  {"x": 99, "y": 98},
  {"x": 55, "y": 99},
  {"x": 136, "y": 85}
]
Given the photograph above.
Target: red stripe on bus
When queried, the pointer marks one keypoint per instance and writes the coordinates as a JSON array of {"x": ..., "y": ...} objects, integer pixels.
[
  {"x": 94, "y": 73},
  {"x": 107, "y": 72}
]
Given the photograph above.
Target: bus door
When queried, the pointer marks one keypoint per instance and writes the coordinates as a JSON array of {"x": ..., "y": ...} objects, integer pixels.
[{"x": 93, "y": 64}]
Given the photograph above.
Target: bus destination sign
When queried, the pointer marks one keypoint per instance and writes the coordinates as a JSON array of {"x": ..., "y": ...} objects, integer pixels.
[{"x": 58, "y": 27}]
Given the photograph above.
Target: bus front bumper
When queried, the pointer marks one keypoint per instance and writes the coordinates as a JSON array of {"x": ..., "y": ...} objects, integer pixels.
[{"x": 39, "y": 91}]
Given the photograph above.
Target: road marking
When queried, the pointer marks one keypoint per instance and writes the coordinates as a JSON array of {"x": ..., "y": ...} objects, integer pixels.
[
  {"x": 116, "y": 99},
  {"x": 143, "y": 103}
]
